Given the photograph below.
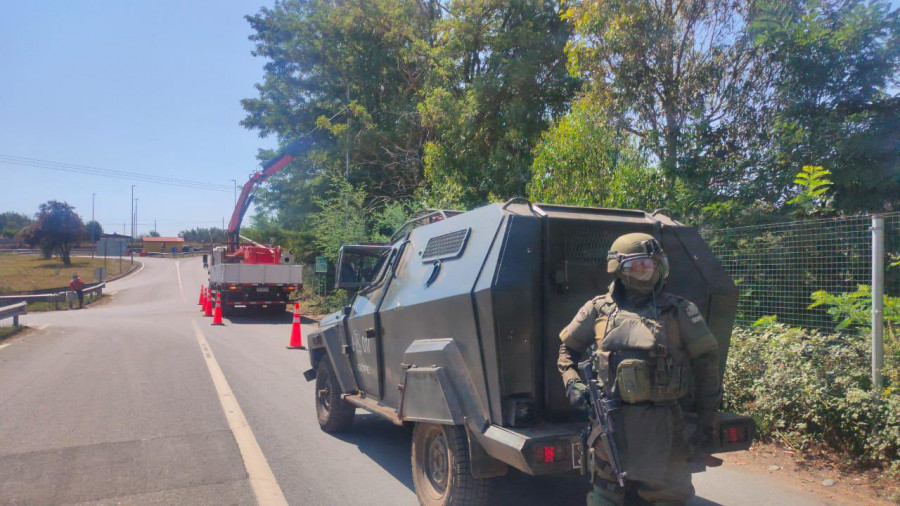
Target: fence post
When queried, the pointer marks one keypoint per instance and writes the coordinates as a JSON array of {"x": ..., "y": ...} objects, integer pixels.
[
  {"x": 15, "y": 320},
  {"x": 877, "y": 299}
]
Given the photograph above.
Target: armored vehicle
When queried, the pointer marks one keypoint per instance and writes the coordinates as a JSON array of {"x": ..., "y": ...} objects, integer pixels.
[{"x": 454, "y": 328}]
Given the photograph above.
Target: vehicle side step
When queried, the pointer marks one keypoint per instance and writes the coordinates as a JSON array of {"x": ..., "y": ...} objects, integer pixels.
[{"x": 373, "y": 406}]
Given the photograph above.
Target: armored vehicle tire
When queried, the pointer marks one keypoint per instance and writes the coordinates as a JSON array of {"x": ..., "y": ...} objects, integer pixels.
[
  {"x": 440, "y": 466},
  {"x": 334, "y": 414}
]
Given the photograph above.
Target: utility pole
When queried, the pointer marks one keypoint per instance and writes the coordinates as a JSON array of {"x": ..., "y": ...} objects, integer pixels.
[
  {"x": 235, "y": 191},
  {"x": 135, "y": 217},
  {"x": 93, "y": 227},
  {"x": 131, "y": 210}
]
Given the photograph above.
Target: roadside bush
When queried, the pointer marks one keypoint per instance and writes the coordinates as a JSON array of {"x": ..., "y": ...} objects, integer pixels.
[
  {"x": 808, "y": 388},
  {"x": 316, "y": 304}
]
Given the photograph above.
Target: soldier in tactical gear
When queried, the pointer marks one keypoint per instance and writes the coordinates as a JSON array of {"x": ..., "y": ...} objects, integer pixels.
[{"x": 654, "y": 355}]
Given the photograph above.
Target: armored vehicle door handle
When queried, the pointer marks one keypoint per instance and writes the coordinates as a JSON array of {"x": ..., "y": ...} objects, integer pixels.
[{"x": 370, "y": 333}]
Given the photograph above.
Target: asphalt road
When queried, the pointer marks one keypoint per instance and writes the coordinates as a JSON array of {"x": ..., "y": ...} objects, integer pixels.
[{"x": 122, "y": 404}]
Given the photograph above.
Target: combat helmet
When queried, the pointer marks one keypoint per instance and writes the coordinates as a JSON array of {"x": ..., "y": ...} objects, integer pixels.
[{"x": 638, "y": 260}]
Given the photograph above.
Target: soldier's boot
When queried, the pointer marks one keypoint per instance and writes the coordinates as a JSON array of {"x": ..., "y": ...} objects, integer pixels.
[{"x": 605, "y": 493}]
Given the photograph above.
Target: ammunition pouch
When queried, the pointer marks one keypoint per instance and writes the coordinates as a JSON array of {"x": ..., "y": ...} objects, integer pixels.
[{"x": 633, "y": 380}]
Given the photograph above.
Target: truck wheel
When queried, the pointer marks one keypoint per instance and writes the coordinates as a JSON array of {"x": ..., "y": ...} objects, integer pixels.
[
  {"x": 440, "y": 466},
  {"x": 334, "y": 414}
]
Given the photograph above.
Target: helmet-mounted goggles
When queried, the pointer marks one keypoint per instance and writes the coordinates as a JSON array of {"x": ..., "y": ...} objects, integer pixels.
[{"x": 641, "y": 266}]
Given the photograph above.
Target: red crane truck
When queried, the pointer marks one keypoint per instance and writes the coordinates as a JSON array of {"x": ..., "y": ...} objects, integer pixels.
[{"x": 248, "y": 274}]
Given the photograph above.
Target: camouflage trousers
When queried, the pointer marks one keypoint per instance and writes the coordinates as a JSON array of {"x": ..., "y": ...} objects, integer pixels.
[
  {"x": 674, "y": 488},
  {"x": 655, "y": 453}
]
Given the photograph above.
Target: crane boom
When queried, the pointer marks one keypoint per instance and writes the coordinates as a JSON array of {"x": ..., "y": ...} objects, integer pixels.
[{"x": 272, "y": 166}]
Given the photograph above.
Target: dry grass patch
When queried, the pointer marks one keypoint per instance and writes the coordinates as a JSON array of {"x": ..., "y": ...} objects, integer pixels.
[{"x": 21, "y": 273}]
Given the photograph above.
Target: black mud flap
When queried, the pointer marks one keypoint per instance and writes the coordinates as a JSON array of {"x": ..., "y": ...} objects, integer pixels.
[{"x": 309, "y": 374}]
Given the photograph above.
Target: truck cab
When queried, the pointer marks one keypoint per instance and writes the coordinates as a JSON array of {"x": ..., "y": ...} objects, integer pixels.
[{"x": 453, "y": 328}]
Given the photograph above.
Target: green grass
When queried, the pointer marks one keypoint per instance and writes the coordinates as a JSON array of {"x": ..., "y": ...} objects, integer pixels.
[
  {"x": 10, "y": 331},
  {"x": 38, "y": 307},
  {"x": 21, "y": 273}
]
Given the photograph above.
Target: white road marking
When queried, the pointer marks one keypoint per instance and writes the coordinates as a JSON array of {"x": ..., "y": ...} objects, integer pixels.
[
  {"x": 180, "y": 286},
  {"x": 139, "y": 269},
  {"x": 262, "y": 480},
  {"x": 4, "y": 345},
  {"x": 42, "y": 327}
]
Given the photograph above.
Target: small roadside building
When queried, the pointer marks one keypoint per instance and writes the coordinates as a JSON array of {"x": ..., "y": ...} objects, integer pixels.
[{"x": 162, "y": 244}]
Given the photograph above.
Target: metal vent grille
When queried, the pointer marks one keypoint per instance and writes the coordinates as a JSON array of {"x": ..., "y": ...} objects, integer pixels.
[
  {"x": 446, "y": 246},
  {"x": 588, "y": 246}
]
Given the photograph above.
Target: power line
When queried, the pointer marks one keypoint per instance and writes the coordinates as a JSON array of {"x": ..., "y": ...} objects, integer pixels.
[{"x": 118, "y": 174}]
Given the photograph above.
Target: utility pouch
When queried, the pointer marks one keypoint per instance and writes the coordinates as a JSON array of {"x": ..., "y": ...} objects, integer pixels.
[{"x": 633, "y": 380}]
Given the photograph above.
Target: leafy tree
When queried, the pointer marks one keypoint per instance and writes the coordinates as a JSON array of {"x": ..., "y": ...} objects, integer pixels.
[
  {"x": 11, "y": 223},
  {"x": 30, "y": 236},
  {"x": 203, "y": 235},
  {"x": 583, "y": 160},
  {"x": 57, "y": 228},
  {"x": 342, "y": 219},
  {"x": 352, "y": 74},
  {"x": 837, "y": 65},
  {"x": 94, "y": 230},
  {"x": 153, "y": 233},
  {"x": 683, "y": 77},
  {"x": 499, "y": 78}
]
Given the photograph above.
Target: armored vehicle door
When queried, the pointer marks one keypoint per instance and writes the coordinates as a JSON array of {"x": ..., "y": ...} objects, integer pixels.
[{"x": 364, "y": 268}]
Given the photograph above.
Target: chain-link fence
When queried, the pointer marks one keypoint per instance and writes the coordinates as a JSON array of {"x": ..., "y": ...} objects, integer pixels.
[{"x": 778, "y": 267}]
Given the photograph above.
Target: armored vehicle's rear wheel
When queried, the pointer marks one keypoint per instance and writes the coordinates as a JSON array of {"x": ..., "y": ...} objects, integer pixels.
[
  {"x": 440, "y": 465},
  {"x": 334, "y": 414}
]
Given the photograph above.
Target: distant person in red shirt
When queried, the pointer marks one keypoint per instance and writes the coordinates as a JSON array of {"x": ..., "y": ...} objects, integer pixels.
[{"x": 77, "y": 286}]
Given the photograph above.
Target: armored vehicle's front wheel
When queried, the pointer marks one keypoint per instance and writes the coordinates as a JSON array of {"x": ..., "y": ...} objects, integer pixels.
[
  {"x": 334, "y": 414},
  {"x": 440, "y": 465}
]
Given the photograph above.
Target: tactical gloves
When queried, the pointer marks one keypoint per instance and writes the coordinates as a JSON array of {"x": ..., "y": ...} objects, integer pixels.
[{"x": 577, "y": 394}]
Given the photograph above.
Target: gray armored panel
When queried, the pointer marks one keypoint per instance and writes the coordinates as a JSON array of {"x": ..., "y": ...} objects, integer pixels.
[
  {"x": 431, "y": 298},
  {"x": 336, "y": 343}
]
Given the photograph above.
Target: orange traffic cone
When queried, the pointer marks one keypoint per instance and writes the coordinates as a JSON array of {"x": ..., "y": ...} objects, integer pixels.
[
  {"x": 200, "y": 302},
  {"x": 296, "y": 334},
  {"x": 207, "y": 308},
  {"x": 217, "y": 319}
]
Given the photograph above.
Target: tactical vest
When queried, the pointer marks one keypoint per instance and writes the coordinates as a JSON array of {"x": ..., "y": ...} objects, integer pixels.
[{"x": 640, "y": 359}]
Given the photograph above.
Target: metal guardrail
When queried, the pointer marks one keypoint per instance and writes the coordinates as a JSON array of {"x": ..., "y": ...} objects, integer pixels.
[
  {"x": 55, "y": 298},
  {"x": 14, "y": 310}
]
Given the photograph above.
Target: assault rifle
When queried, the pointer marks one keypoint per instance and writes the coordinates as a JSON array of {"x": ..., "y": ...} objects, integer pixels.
[{"x": 601, "y": 425}]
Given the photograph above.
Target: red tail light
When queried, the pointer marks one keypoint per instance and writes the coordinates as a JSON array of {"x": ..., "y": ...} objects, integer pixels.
[{"x": 549, "y": 454}]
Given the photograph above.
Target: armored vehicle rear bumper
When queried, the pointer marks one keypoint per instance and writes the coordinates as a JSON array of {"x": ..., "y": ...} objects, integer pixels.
[{"x": 546, "y": 448}]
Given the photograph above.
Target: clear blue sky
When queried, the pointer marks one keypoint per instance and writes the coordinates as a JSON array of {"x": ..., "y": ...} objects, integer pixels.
[{"x": 150, "y": 87}]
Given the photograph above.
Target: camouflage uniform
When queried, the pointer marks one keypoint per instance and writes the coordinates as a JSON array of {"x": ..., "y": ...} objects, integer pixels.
[{"x": 654, "y": 352}]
